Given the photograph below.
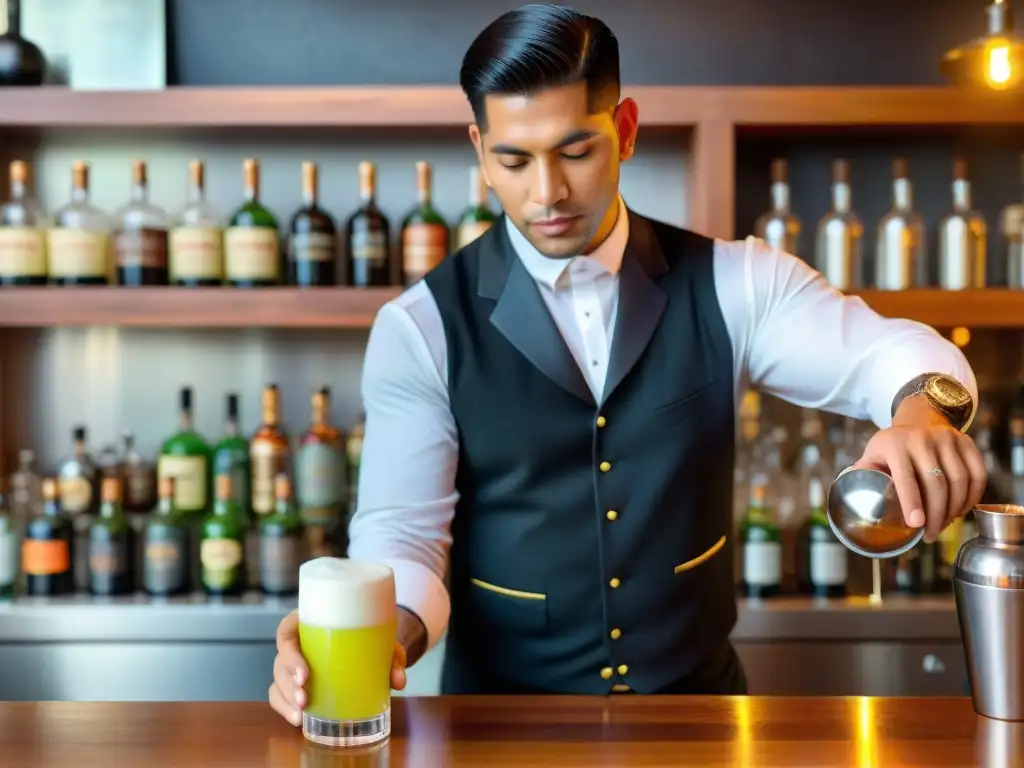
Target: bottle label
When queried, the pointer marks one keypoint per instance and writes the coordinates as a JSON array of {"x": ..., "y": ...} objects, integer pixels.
[
  {"x": 424, "y": 246},
  {"x": 45, "y": 557},
  {"x": 279, "y": 558},
  {"x": 77, "y": 253},
  {"x": 828, "y": 563},
  {"x": 762, "y": 563},
  {"x": 220, "y": 559},
  {"x": 189, "y": 473},
  {"x": 141, "y": 248},
  {"x": 140, "y": 489},
  {"x": 108, "y": 557},
  {"x": 268, "y": 460},
  {"x": 251, "y": 253},
  {"x": 75, "y": 494},
  {"x": 320, "y": 477},
  {"x": 8, "y": 558},
  {"x": 164, "y": 560},
  {"x": 312, "y": 246},
  {"x": 371, "y": 247},
  {"x": 226, "y": 463},
  {"x": 197, "y": 253},
  {"x": 471, "y": 230},
  {"x": 22, "y": 252}
]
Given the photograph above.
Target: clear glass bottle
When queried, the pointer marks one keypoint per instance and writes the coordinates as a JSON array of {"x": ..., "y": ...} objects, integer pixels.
[
  {"x": 22, "y": 233},
  {"x": 824, "y": 559},
  {"x": 78, "y": 244},
  {"x": 780, "y": 227},
  {"x": 840, "y": 235},
  {"x": 963, "y": 236},
  {"x": 1011, "y": 224},
  {"x": 478, "y": 217},
  {"x": 901, "y": 256},
  {"x": 26, "y": 487},
  {"x": 140, "y": 242},
  {"x": 425, "y": 233},
  {"x": 197, "y": 239}
]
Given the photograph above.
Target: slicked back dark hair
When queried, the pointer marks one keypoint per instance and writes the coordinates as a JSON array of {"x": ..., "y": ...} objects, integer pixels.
[{"x": 539, "y": 46}]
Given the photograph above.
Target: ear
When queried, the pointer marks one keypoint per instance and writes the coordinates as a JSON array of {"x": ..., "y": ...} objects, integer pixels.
[
  {"x": 478, "y": 146},
  {"x": 627, "y": 122}
]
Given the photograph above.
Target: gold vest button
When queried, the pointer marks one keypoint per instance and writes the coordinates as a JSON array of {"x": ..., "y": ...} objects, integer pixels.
[
  {"x": 601, "y": 421},
  {"x": 623, "y": 669},
  {"x": 605, "y": 466},
  {"x": 607, "y": 673},
  {"x": 614, "y": 583},
  {"x": 616, "y": 633},
  {"x": 611, "y": 514}
]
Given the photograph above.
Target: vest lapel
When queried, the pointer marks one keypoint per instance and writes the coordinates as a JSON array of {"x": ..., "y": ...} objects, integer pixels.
[
  {"x": 641, "y": 301},
  {"x": 523, "y": 318}
]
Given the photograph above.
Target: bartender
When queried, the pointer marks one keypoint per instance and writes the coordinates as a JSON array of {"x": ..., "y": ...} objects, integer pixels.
[{"x": 550, "y": 411}]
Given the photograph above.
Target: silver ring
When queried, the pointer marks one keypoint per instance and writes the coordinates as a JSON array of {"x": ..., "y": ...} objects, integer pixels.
[{"x": 936, "y": 471}]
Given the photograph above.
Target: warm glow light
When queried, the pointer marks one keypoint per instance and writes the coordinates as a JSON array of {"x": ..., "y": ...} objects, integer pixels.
[
  {"x": 961, "y": 337},
  {"x": 999, "y": 69},
  {"x": 867, "y": 746},
  {"x": 744, "y": 732}
]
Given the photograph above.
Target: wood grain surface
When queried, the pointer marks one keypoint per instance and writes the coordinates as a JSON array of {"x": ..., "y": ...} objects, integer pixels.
[{"x": 486, "y": 732}]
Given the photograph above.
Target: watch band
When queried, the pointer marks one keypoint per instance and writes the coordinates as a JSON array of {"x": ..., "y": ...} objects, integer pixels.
[{"x": 944, "y": 394}]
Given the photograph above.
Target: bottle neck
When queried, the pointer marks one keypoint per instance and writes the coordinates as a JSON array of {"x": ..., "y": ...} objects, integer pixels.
[
  {"x": 231, "y": 428},
  {"x": 51, "y": 508},
  {"x": 780, "y": 197},
  {"x": 196, "y": 194},
  {"x": 13, "y": 18},
  {"x": 79, "y": 195},
  {"x": 110, "y": 509},
  {"x": 185, "y": 422},
  {"x": 18, "y": 191},
  {"x": 962, "y": 195},
  {"x": 841, "y": 197},
  {"x": 139, "y": 193},
  {"x": 165, "y": 507},
  {"x": 902, "y": 195}
]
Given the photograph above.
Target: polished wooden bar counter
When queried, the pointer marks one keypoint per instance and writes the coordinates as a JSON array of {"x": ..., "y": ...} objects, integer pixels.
[{"x": 523, "y": 731}]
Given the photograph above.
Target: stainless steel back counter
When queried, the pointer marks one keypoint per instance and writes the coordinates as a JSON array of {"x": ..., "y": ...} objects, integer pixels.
[{"x": 195, "y": 649}]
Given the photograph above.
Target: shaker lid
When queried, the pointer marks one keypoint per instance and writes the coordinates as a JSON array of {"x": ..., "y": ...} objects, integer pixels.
[{"x": 996, "y": 557}]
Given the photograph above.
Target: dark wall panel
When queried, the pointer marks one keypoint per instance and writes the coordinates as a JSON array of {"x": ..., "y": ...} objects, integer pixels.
[{"x": 664, "y": 42}]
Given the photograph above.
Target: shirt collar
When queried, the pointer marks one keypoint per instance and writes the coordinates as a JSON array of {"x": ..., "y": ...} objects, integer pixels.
[{"x": 606, "y": 258}]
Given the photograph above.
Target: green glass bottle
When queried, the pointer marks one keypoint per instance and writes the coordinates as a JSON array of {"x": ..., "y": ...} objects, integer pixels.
[
  {"x": 185, "y": 456},
  {"x": 478, "y": 217},
  {"x": 111, "y": 544},
  {"x": 165, "y": 569},
  {"x": 281, "y": 542},
  {"x": 761, "y": 541},
  {"x": 425, "y": 233},
  {"x": 231, "y": 456},
  {"x": 223, "y": 538},
  {"x": 252, "y": 245},
  {"x": 825, "y": 556}
]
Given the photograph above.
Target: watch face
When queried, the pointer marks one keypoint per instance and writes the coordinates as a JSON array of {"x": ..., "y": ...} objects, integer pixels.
[{"x": 951, "y": 397}]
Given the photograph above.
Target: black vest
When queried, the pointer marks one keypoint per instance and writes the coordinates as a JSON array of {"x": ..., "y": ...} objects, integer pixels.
[{"x": 590, "y": 539}]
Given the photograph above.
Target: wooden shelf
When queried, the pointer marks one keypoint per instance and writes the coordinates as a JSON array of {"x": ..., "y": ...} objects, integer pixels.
[
  {"x": 193, "y": 308},
  {"x": 988, "y": 308}
]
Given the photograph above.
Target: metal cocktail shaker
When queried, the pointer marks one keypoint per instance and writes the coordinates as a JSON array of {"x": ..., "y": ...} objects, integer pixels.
[{"x": 988, "y": 584}]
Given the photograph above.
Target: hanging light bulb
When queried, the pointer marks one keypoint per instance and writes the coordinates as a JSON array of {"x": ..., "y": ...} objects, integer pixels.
[{"x": 996, "y": 60}]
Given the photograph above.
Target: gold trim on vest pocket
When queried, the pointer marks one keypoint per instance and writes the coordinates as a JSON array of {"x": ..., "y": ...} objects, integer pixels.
[
  {"x": 508, "y": 592},
  {"x": 712, "y": 551}
]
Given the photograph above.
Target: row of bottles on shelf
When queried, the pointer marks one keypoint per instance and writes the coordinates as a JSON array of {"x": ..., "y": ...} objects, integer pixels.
[
  {"x": 140, "y": 244},
  {"x": 901, "y": 253}
]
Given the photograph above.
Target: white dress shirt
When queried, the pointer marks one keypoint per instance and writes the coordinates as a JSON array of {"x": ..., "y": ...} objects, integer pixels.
[{"x": 793, "y": 336}]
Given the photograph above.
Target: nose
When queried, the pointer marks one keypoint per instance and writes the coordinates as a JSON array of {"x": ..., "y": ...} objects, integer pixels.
[{"x": 549, "y": 188}]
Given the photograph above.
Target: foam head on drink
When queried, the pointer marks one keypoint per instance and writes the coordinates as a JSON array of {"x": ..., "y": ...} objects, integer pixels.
[{"x": 347, "y": 625}]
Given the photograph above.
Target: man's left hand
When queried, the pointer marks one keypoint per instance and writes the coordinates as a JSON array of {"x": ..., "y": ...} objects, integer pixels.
[{"x": 938, "y": 471}]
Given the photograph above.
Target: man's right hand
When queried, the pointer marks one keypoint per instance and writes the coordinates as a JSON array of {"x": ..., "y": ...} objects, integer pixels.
[{"x": 287, "y": 694}]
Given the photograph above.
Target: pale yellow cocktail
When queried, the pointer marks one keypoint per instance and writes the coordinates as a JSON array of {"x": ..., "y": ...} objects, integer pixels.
[{"x": 347, "y": 617}]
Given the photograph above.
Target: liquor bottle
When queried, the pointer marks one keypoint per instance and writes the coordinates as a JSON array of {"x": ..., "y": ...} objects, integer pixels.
[
  {"x": 110, "y": 544},
  {"x": 900, "y": 257},
  {"x": 825, "y": 572},
  {"x": 762, "y": 544},
  {"x": 22, "y": 233},
  {"x": 22, "y": 63},
  {"x": 779, "y": 227},
  {"x": 26, "y": 488},
  {"x": 840, "y": 235},
  {"x": 270, "y": 453},
  {"x": 963, "y": 236},
  {"x": 78, "y": 244},
  {"x": 221, "y": 553},
  {"x": 280, "y": 543},
  {"x": 231, "y": 457},
  {"x": 10, "y": 545},
  {"x": 321, "y": 467},
  {"x": 424, "y": 232},
  {"x": 1011, "y": 224},
  {"x": 197, "y": 240},
  {"x": 165, "y": 567},
  {"x": 185, "y": 457},
  {"x": 140, "y": 242},
  {"x": 252, "y": 251},
  {"x": 139, "y": 478},
  {"x": 46, "y": 552},
  {"x": 354, "y": 451},
  {"x": 478, "y": 217},
  {"x": 79, "y": 478},
  {"x": 313, "y": 240},
  {"x": 368, "y": 236}
]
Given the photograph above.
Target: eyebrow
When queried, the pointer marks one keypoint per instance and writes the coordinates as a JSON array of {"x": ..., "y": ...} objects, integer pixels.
[{"x": 572, "y": 138}]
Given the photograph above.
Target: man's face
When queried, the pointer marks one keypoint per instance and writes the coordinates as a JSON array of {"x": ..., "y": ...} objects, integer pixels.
[{"x": 554, "y": 166}]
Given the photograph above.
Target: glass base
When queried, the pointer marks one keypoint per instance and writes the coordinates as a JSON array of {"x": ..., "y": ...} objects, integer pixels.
[{"x": 346, "y": 733}]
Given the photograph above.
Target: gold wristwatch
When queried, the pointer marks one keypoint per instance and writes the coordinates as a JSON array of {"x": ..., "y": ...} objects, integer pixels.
[{"x": 944, "y": 394}]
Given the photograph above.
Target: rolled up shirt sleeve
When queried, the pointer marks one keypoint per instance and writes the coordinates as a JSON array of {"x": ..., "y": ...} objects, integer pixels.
[
  {"x": 406, "y": 493},
  {"x": 800, "y": 339}
]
